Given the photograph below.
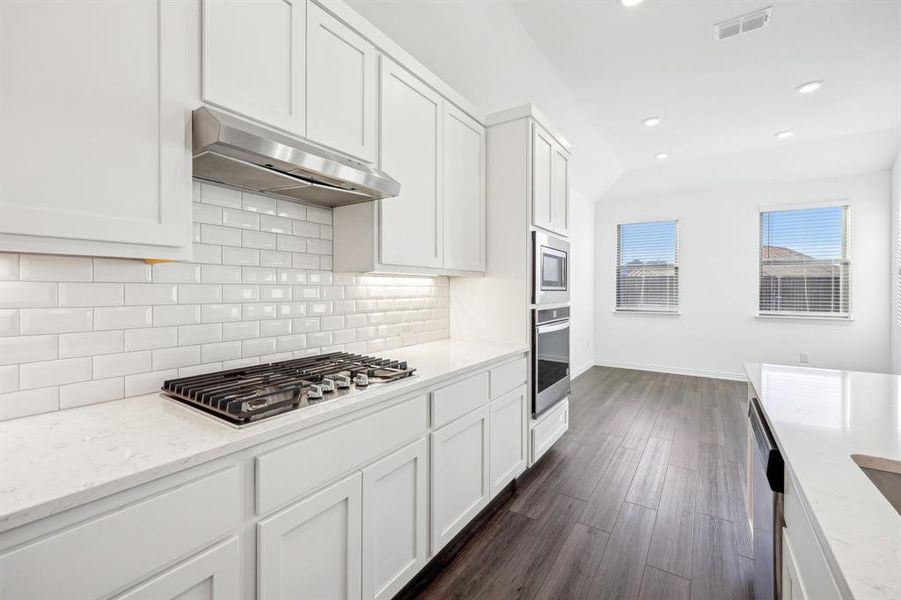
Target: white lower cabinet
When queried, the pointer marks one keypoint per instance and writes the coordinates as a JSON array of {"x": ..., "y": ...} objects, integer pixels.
[
  {"x": 792, "y": 586},
  {"x": 313, "y": 548},
  {"x": 507, "y": 446},
  {"x": 395, "y": 520},
  {"x": 459, "y": 475},
  {"x": 211, "y": 575}
]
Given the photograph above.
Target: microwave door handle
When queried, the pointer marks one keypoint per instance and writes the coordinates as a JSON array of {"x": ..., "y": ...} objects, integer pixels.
[{"x": 553, "y": 327}]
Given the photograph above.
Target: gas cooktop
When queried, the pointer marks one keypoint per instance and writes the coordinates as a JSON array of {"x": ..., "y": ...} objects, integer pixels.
[{"x": 243, "y": 396}]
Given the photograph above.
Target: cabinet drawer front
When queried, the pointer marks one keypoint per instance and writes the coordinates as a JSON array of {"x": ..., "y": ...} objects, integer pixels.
[
  {"x": 211, "y": 574},
  {"x": 459, "y": 398},
  {"x": 508, "y": 376},
  {"x": 293, "y": 471},
  {"x": 551, "y": 427},
  {"x": 102, "y": 556}
]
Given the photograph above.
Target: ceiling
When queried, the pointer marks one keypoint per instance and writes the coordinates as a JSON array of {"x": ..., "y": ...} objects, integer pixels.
[{"x": 597, "y": 69}]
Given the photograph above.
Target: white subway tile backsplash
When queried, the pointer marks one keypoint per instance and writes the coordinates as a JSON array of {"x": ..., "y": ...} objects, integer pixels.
[
  {"x": 221, "y": 274},
  {"x": 44, "y": 267},
  {"x": 207, "y": 213},
  {"x": 9, "y": 322},
  {"x": 220, "y": 351},
  {"x": 28, "y": 348},
  {"x": 220, "y": 196},
  {"x": 291, "y": 243},
  {"x": 23, "y": 294},
  {"x": 91, "y": 392},
  {"x": 240, "y": 256},
  {"x": 259, "y": 204},
  {"x": 170, "y": 358},
  {"x": 275, "y": 224},
  {"x": 54, "y": 372},
  {"x": 150, "y": 293},
  {"x": 31, "y": 402},
  {"x": 176, "y": 273},
  {"x": 241, "y": 330},
  {"x": 91, "y": 294},
  {"x": 199, "y": 293},
  {"x": 72, "y": 345},
  {"x": 199, "y": 334},
  {"x": 182, "y": 314},
  {"x": 9, "y": 266},
  {"x": 292, "y": 210},
  {"x": 123, "y": 363},
  {"x": 122, "y": 317},
  {"x": 218, "y": 313},
  {"x": 259, "y": 239},
  {"x": 259, "y": 288},
  {"x": 149, "y": 338},
  {"x": 241, "y": 219},
  {"x": 223, "y": 236},
  {"x": 9, "y": 378}
]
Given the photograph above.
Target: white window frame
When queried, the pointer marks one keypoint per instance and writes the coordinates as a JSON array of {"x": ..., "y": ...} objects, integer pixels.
[
  {"x": 648, "y": 311},
  {"x": 807, "y": 316}
]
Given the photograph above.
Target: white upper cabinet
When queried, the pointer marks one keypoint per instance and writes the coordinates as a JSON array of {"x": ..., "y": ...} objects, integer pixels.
[
  {"x": 254, "y": 59},
  {"x": 464, "y": 192},
  {"x": 342, "y": 84},
  {"x": 550, "y": 182},
  {"x": 94, "y": 125},
  {"x": 411, "y": 151},
  {"x": 560, "y": 191}
]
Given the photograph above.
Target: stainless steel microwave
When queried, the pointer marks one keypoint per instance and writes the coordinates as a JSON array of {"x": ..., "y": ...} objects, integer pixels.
[{"x": 550, "y": 261}]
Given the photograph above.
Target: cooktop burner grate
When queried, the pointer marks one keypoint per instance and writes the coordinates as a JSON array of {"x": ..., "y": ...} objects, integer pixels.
[{"x": 241, "y": 396}]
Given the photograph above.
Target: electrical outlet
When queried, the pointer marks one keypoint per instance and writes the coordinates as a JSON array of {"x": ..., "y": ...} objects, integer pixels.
[{"x": 805, "y": 358}]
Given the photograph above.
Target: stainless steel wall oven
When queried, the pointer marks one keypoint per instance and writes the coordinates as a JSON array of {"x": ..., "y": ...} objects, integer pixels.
[{"x": 550, "y": 357}]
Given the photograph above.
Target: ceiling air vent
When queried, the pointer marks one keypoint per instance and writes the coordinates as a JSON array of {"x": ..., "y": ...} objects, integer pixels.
[{"x": 743, "y": 24}]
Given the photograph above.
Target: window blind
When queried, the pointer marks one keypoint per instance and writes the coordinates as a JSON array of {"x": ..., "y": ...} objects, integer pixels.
[
  {"x": 804, "y": 265},
  {"x": 647, "y": 271}
]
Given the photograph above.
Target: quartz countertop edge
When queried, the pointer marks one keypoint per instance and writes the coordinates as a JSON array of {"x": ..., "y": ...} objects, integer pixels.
[
  {"x": 54, "y": 462},
  {"x": 819, "y": 419}
]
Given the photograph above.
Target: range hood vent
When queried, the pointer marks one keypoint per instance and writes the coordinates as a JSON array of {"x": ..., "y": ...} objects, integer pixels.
[{"x": 235, "y": 152}]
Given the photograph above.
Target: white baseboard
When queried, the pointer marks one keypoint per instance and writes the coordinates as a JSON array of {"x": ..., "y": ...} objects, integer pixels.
[
  {"x": 576, "y": 371},
  {"x": 674, "y": 370}
]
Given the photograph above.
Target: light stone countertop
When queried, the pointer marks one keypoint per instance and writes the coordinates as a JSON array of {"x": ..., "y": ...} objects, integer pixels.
[
  {"x": 56, "y": 461},
  {"x": 820, "y": 417}
]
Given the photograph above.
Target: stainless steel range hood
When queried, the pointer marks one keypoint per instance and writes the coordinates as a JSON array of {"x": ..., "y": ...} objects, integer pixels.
[{"x": 235, "y": 152}]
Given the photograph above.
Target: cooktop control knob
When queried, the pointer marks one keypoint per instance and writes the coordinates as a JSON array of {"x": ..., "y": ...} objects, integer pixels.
[
  {"x": 314, "y": 392},
  {"x": 327, "y": 385},
  {"x": 342, "y": 381},
  {"x": 361, "y": 380}
]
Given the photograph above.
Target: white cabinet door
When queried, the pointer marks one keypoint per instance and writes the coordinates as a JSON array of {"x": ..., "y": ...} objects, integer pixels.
[
  {"x": 464, "y": 192},
  {"x": 411, "y": 152},
  {"x": 542, "y": 157},
  {"x": 211, "y": 575},
  {"x": 313, "y": 548},
  {"x": 792, "y": 586},
  {"x": 94, "y": 121},
  {"x": 254, "y": 59},
  {"x": 395, "y": 520},
  {"x": 459, "y": 482},
  {"x": 507, "y": 448},
  {"x": 560, "y": 190},
  {"x": 342, "y": 83}
]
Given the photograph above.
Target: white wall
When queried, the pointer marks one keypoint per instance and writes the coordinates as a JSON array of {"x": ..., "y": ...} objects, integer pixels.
[
  {"x": 895, "y": 225},
  {"x": 717, "y": 329},
  {"x": 581, "y": 240}
]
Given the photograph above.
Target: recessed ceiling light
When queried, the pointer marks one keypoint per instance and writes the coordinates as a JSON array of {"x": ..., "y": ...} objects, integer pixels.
[
  {"x": 661, "y": 156},
  {"x": 630, "y": 3},
  {"x": 784, "y": 135},
  {"x": 809, "y": 87},
  {"x": 652, "y": 121}
]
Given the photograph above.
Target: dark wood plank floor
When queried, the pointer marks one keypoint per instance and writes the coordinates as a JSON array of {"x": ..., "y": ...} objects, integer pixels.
[{"x": 642, "y": 499}]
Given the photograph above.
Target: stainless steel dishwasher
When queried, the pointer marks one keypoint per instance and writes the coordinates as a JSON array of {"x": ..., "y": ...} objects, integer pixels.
[{"x": 767, "y": 487}]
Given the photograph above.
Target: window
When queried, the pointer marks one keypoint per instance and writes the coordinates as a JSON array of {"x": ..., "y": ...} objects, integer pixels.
[
  {"x": 647, "y": 269},
  {"x": 804, "y": 266}
]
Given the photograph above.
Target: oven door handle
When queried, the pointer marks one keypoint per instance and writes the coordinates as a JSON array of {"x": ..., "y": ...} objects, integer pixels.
[{"x": 553, "y": 327}]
